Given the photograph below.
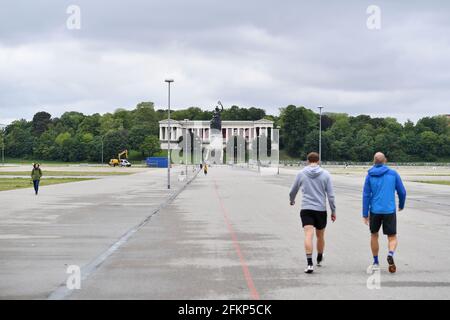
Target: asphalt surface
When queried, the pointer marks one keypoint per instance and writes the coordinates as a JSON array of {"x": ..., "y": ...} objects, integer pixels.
[
  {"x": 228, "y": 235},
  {"x": 70, "y": 224}
]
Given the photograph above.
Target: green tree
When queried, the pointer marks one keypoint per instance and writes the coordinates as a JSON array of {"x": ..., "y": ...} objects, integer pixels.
[
  {"x": 363, "y": 148},
  {"x": 124, "y": 118},
  {"x": 19, "y": 139},
  {"x": 45, "y": 147},
  {"x": 40, "y": 123},
  {"x": 115, "y": 142},
  {"x": 429, "y": 145},
  {"x": 78, "y": 137},
  {"x": 138, "y": 134},
  {"x": 255, "y": 114},
  {"x": 109, "y": 124},
  {"x": 438, "y": 124},
  {"x": 387, "y": 142},
  {"x": 64, "y": 143},
  {"x": 150, "y": 146},
  {"x": 71, "y": 121},
  {"x": 145, "y": 116},
  {"x": 410, "y": 143},
  {"x": 91, "y": 124},
  {"x": 296, "y": 123}
]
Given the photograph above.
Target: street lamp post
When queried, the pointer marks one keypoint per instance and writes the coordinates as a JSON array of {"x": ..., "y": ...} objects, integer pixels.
[
  {"x": 185, "y": 147},
  {"x": 3, "y": 143},
  {"x": 169, "y": 81},
  {"x": 320, "y": 134},
  {"x": 102, "y": 149},
  {"x": 3, "y": 151},
  {"x": 279, "y": 129}
]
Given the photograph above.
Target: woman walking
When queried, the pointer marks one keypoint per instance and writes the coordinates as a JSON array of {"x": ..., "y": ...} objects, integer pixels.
[
  {"x": 36, "y": 175},
  {"x": 205, "y": 169}
]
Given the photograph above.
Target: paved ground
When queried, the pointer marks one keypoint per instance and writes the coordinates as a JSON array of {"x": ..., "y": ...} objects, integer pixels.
[
  {"x": 228, "y": 235},
  {"x": 70, "y": 224}
]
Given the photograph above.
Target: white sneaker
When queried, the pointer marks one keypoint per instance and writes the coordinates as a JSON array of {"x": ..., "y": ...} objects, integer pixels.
[{"x": 309, "y": 269}]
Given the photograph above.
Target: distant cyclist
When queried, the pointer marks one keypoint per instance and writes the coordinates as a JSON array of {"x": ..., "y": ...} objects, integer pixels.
[
  {"x": 379, "y": 207},
  {"x": 316, "y": 187}
]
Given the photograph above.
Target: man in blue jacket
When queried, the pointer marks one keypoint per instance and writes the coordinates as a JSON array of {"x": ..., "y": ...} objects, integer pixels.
[{"x": 379, "y": 207}]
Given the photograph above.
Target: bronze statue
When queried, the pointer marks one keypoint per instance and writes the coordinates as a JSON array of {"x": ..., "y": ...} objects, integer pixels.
[{"x": 216, "y": 121}]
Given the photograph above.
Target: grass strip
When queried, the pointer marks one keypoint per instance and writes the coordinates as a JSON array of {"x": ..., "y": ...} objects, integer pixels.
[{"x": 21, "y": 183}]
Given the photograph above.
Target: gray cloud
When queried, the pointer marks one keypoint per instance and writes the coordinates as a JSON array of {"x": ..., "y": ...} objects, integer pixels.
[{"x": 253, "y": 53}]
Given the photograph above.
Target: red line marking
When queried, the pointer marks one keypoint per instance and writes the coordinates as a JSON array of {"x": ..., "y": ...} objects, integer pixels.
[{"x": 247, "y": 275}]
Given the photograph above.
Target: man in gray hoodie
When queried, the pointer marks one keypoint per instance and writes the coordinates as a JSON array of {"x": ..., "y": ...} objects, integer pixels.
[{"x": 316, "y": 187}]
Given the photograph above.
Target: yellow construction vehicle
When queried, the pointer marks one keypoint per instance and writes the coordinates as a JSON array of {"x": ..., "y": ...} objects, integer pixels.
[
  {"x": 119, "y": 161},
  {"x": 125, "y": 152}
]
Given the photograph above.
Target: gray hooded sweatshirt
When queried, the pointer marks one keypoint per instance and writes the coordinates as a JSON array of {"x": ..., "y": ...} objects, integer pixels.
[{"x": 316, "y": 187}]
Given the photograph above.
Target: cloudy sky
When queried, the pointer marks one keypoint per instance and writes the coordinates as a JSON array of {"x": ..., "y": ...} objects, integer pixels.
[{"x": 259, "y": 53}]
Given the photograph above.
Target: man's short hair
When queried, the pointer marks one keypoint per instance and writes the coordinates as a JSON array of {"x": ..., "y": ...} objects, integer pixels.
[{"x": 313, "y": 157}]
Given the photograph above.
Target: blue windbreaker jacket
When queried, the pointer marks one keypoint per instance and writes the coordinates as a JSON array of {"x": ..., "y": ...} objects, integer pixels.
[{"x": 379, "y": 191}]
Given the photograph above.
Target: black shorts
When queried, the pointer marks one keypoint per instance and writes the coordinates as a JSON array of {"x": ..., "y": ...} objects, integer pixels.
[
  {"x": 318, "y": 219},
  {"x": 389, "y": 222}
]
